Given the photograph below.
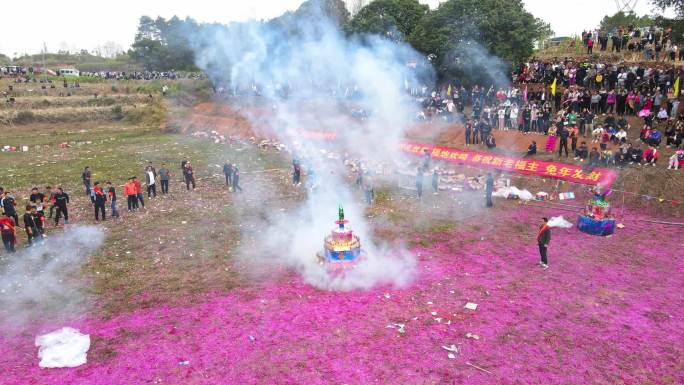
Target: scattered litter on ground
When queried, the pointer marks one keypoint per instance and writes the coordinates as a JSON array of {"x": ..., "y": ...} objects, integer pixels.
[{"x": 471, "y": 306}]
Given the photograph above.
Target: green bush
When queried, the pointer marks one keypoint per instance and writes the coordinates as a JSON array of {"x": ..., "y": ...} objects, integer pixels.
[
  {"x": 24, "y": 117},
  {"x": 117, "y": 112}
]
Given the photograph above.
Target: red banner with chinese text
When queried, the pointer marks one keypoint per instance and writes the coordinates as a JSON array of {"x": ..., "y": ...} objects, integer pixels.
[{"x": 556, "y": 170}]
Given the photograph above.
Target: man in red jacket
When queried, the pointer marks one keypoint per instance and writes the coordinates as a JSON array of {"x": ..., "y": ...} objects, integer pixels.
[
  {"x": 543, "y": 239},
  {"x": 131, "y": 195},
  {"x": 9, "y": 233}
]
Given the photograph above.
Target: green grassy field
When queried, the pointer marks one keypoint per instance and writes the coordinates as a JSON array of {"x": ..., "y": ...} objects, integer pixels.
[{"x": 145, "y": 258}]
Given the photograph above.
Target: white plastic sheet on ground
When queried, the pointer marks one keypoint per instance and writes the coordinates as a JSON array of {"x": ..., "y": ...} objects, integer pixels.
[
  {"x": 559, "y": 221},
  {"x": 63, "y": 348},
  {"x": 506, "y": 192}
]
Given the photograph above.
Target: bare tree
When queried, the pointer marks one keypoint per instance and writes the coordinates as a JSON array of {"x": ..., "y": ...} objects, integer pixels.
[{"x": 111, "y": 49}]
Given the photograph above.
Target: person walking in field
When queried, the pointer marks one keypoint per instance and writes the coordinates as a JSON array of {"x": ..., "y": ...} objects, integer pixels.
[
  {"x": 99, "y": 199},
  {"x": 86, "y": 175},
  {"x": 139, "y": 192},
  {"x": 228, "y": 173},
  {"x": 151, "y": 176},
  {"x": 489, "y": 188},
  {"x": 61, "y": 201},
  {"x": 111, "y": 193},
  {"x": 9, "y": 233},
  {"x": 543, "y": 240},
  {"x": 164, "y": 177},
  {"x": 31, "y": 225},
  {"x": 236, "y": 179},
  {"x": 50, "y": 201}
]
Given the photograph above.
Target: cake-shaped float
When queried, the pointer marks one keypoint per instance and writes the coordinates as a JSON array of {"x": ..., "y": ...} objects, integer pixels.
[
  {"x": 341, "y": 249},
  {"x": 597, "y": 219}
]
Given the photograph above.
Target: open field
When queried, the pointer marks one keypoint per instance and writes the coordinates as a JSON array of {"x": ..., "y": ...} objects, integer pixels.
[{"x": 169, "y": 297}]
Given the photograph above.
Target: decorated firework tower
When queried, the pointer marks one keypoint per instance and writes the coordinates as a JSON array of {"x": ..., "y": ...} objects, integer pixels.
[
  {"x": 341, "y": 249},
  {"x": 596, "y": 219}
]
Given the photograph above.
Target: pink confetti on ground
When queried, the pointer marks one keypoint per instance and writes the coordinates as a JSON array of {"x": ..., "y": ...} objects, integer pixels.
[{"x": 607, "y": 311}]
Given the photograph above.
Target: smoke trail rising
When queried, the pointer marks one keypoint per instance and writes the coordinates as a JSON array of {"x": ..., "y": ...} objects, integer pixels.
[
  {"x": 313, "y": 76},
  {"x": 37, "y": 281}
]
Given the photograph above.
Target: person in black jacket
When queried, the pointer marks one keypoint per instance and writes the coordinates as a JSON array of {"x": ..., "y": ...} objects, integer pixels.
[
  {"x": 228, "y": 172},
  {"x": 111, "y": 193},
  {"x": 30, "y": 225},
  {"x": 543, "y": 239},
  {"x": 9, "y": 205},
  {"x": 99, "y": 199},
  {"x": 61, "y": 201}
]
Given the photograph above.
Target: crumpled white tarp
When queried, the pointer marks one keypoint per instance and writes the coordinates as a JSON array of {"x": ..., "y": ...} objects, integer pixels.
[
  {"x": 63, "y": 348},
  {"x": 505, "y": 192},
  {"x": 559, "y": 221}
]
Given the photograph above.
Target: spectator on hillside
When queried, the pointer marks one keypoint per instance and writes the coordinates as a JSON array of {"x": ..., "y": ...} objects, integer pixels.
[
  {"x": 676, "y": 159},
  {"x": 582, "y": 152},
  {"x": 651, "y": 155},
  {"x": 490, "y": 142},
  {"x": 532, "y": 149}
]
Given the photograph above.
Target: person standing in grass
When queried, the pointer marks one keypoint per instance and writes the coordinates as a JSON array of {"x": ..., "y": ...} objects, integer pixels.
[
  {"x": 489, "y": 188},
  {"x": 61, "y": 201},
  {"x": 111, "y": 193},
  {"x": 543, "y": 239},
  {"x": 139, "y": 192},
  {"x": 37, "y": 199},
  {"x": 228, "y": 173},
  {"x": 9, "y": 233},
  {"x": 151, "y": 176},
  {"x": 419, "y": 182},
  {"x": 85, "y": 176},
  {"x": 236, "y": 179},
  {"x": 131, "y": 195},
  {"x": 99, "y": 199},
  {"x": 50, "y": 201},
  {"x": 9, "y": 205},
  {"x": 189, "y": 175},
  {"x": 31, "y": 225},
  {"x": 164, "y": 176}
]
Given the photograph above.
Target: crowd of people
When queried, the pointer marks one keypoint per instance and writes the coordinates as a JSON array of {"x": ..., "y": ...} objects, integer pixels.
[{"x": 52, "y": 204}]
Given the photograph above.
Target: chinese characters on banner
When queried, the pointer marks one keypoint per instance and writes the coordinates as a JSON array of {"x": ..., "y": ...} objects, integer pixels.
[{"x": 556, "y": 170}]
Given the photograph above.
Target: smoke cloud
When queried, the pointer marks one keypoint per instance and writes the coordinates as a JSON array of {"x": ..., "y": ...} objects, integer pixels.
[
  {"x": 38, "y": 281},
  {"x": 472, "y": 61},
  {"x": 316, "y": 78}
]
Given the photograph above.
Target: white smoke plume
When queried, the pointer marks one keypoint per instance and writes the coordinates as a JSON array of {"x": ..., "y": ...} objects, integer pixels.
[
  {"x": 40, "y": 281},
  {"x": 314, "y": 77}
]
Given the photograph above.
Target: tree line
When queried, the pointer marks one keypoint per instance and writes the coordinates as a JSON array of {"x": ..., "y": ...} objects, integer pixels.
[{"x": 445, "y": 35}]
